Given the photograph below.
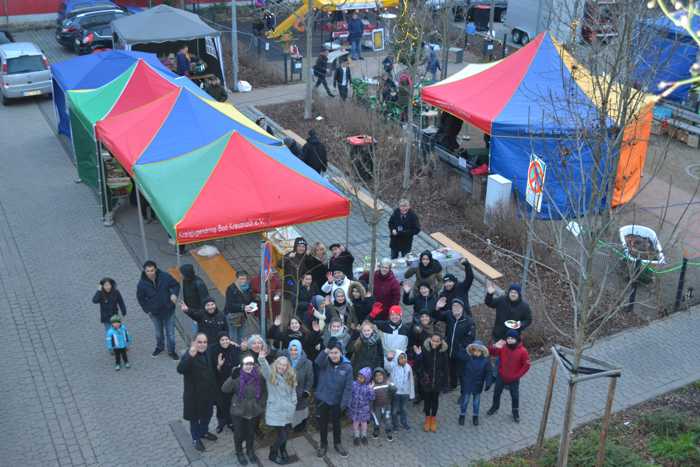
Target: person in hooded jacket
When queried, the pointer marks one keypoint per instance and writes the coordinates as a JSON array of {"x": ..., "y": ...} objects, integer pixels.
[
  {"x": 200, "y": 390},
  {"x": 210, "y": 320},
  {"x": 428, "y": 271},
  {"x": 387, "y": 290},
  {"x": 239, "y": 296},
  {"x": 110, "y": 300},
  {"x": 367, "y": 348},
  {"x": 426, "y": 327},
  {"x": 422, "y": 299},
  {"x": 360, "y": 410},
  {"x": 225, "y": 355},
  {"x": 460, "y": 332},
  {"x": 508, "y": 307},
  {"x": 194, "y": 291},
  {"x": 514, "y": 363},
  {"x": 362, "y": 302},
  {"x": 314, "y": 153},
  {"x": 403, "y": 226},
  {"x": 342, "y": 309},
  {"x": 157, "y": 293},
  {"x": 433, "y": 363},
  {"x": 304, "y": 369},
  {"x": 401, "y": 375},
  {"x": 452, "y": 288},
  {"x": 248, "y": 399},
  {"x": 476, "y": 377}
]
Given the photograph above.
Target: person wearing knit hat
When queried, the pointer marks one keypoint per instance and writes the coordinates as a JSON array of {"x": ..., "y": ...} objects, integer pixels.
[
  {"x": 333, "y": 393},
  {"x": 461, "y": 331},
  {"x": 512, "y": 312},
  {"x": 294, "y": 265},
  {"x": 514, "y": 364},
  {"x": 210, "y": 321},
  {"x": 248, "y": 395},
  {"x": 118, "y": 340},
  {"x": 394, "y": 333},
  {"x": 476, "y": 376},
  {"x": 422, "y": 298},
  {"x": 453, "y": 289}
]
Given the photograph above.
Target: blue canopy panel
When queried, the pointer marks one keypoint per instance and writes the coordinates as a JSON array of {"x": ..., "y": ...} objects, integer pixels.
[
  {"x": 571, "y": 172},
  {"x": 95, "y": 70},
  {"x": 191, "y": 124},
  {"x": 548, "y": 101}
]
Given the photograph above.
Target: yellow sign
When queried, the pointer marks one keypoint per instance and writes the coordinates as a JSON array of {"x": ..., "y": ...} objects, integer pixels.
[{"x": 378, "y": 39}]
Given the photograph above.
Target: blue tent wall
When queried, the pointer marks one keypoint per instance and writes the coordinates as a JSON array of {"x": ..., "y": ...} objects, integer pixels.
[
  {"x": 568, "y": 182},
  {"x": 668, "y": 54}
]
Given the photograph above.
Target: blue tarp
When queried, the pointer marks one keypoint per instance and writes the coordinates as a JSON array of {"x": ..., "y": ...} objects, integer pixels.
[
  {"x": 668, "y": 54},
  {"x": 97, "y": 69}
]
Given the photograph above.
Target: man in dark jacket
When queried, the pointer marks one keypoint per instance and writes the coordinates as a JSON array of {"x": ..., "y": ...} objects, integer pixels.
[
  {"x": 157, "y": 293},
  {"x": 194, "y": 291},
  {"x": 302, "y": 298},
  {"x": 294, "y": 265},
  {"x": 454, "y": 289},
  {"x": 332, "y": 394},
  {"x": 320, "y": 70},
  {"x": 314, "y": 153},
  {"x": 355, "y": 29},
  {"x": 210, "y": 320},
  {"x": 403, "y": 226},
  {"x": 239, "y": 296},
  {"x": 342, "y": 79},
  {"x": 200, "y": 390},
  {"x": 510, "y": 307},
  {"x": 461, "y": 331},
  {"x": 341, "y": 260}
]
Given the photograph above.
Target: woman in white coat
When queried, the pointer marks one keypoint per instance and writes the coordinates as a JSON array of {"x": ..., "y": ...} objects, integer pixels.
[{"x": 281, "y": 402}]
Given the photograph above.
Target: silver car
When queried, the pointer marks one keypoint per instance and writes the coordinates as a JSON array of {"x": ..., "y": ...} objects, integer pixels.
[{"x": 24, "y": 71}]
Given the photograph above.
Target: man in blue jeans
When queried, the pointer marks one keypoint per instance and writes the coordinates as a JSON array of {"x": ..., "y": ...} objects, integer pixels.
[
  {"x": 157, "y": 293},
  {"x": 355, "y": 29}
]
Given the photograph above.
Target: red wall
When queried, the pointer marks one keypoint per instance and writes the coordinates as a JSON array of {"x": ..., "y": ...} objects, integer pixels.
[{"x": 29, "y": 7}]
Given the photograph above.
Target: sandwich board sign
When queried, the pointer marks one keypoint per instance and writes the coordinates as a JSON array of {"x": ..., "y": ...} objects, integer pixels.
[{"x": 536, "y": 171}]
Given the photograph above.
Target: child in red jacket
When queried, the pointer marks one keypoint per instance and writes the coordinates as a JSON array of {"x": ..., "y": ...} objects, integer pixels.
[{"x": 514, "y": 363}]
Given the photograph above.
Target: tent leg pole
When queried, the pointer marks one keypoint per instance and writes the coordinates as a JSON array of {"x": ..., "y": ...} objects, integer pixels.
[
  {"x": 104, "y": 192},
  {"x": 263, "y": 300},
  {"x": 143, "y": 232},
  {"x": 347, "y": 230}
]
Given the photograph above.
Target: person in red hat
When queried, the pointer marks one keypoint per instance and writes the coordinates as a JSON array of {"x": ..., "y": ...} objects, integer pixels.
[{"x": 394, "y": 332}]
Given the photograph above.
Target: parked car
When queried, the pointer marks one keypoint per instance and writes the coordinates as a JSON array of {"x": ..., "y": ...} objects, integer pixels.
[
  {"x": 70, "y": 8},
  {"x": 24, "y": 71},
  {"x": 88, "y": 31},
  {"x": 459, "y": 7},
  {"x": 6, "y": 37}
]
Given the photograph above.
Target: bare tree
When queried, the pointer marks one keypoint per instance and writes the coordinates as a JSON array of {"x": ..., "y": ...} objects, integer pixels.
[{"x": 589, "y": 175}]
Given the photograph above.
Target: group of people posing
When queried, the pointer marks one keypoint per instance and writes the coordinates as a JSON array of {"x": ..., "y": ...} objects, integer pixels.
[{"x": 333, "y": 345}]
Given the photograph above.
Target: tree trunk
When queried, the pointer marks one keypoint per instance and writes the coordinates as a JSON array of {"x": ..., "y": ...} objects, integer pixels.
[
  {"x": 409, "y": 143},
  {"x": 309, "y": 31},
  {"x": 569, "y": 411},
  {"x": 373, "y": 253}
]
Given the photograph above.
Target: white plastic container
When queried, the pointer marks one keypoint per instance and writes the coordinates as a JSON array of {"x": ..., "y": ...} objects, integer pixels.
[{"x": 641, "y": 231}]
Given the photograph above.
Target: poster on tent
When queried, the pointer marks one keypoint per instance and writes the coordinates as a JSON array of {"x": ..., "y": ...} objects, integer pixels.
[
  {"x": 211, "y": 47},
  {"x": 536, "y": 171}
]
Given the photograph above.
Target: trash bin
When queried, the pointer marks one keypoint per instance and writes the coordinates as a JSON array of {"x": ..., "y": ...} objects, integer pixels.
[{"x": 297, "y": 68}]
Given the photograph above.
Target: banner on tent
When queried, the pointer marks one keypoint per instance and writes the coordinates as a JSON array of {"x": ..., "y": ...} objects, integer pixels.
[
  {"x": 211, "y": 47},
  {"x": 536, "y": 171}
]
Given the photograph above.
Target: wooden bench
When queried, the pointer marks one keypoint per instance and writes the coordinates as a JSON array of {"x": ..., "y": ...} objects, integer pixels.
[
  {"x": 477, "y": 263},
  {"x": 298, "y": 139},
  {"x": 220, "y": 271}
]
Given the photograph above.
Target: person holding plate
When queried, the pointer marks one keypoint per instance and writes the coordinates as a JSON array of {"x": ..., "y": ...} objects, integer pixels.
[{"x": 512, "y": 312}]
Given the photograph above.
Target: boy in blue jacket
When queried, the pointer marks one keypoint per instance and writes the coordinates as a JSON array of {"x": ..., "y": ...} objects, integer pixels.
[
  {"x": 118, "y": 340},
  {"x": 476, "y": 376}
]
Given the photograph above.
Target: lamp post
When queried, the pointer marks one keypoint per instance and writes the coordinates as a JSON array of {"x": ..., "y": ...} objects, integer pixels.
[{"x": 234, "y": 46}]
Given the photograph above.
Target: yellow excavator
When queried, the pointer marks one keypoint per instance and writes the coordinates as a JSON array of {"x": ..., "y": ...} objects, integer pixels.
[{"x": 296, "y": 19}]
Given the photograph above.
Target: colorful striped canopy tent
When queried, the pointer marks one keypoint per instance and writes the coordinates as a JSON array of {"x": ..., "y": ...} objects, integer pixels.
[
  {"x": 94, "y": 70},
  {"x": 137, "y": 86},
  {"x": 539, "y": 100},
  {"x": 233, "y": 186}
]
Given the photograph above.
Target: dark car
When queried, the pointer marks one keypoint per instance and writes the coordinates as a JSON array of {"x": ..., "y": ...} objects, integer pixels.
[
  {"x": 89, "y": 31},
  {"x": 6, "y": 37},
  {"x": 70, "y": 8}
]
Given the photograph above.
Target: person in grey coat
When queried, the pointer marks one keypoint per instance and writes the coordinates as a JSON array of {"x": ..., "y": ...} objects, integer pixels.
[
  {"x": 281, "y": 402},
  {"x": 304, "y": 369},
  {"x": 247, "y": 390}
]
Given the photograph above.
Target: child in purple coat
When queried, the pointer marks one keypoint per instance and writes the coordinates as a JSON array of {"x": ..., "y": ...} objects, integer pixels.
[{"x": 362, "y": 397}]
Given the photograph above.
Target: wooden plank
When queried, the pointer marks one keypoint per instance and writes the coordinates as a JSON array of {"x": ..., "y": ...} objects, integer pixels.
[
  {"x": 299, "y": 140},
  {"x": 477, "y": 263},
  {"x": 364, "y": 198},
  {"x": 175, "y": 272},
  {"x": 220, "y": 271}
]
